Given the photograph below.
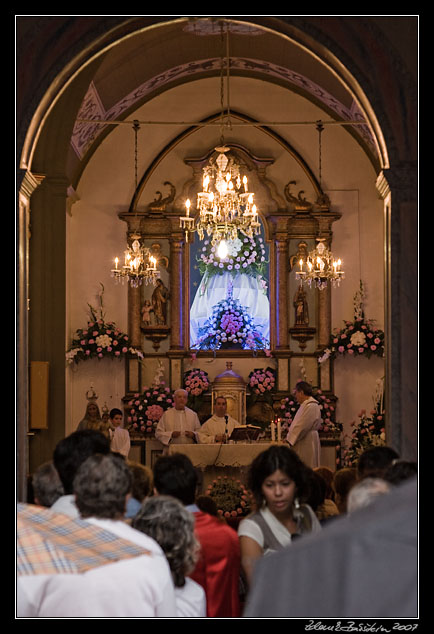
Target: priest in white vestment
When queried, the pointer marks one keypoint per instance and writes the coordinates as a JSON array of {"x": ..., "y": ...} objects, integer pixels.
[
  {"x": 219, "y": 427},
  {"x": 303, "y": 432},
  {"x": 179, "y": 424}
]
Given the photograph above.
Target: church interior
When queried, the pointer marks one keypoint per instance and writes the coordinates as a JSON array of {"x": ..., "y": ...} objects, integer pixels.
[{"x": 119, "y": 119}]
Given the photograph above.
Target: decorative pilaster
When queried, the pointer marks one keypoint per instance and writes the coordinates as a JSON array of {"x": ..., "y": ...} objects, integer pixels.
[
  {"x": 177, "y": 293},
  {"x": 281, "y": 290},
  {"x": 398, "y": 187}
]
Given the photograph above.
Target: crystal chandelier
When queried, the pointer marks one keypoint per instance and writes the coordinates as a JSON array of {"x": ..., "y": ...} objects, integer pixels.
[
  {"x": 321, "y": 267},
  {"x": 225, "y": 205},
  {"x": 139, "y": 264}
]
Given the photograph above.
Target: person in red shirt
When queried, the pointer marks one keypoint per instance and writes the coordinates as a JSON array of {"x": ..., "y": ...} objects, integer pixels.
[{"x": 218, "y": 567}]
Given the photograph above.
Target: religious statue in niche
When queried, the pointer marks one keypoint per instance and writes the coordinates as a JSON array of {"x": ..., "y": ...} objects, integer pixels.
[
  {"x": 157, "y": 307},
  {"x": 160, "y": 297},
  {"x": 301, "y": 307},
  {"x": 146, "y": 312},
  {"x": 301, "y": 331}
]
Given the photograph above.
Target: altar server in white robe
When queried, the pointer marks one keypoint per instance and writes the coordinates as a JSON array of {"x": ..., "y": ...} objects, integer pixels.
[
  {"x": 219, "y": 427},
  {"x": 303, "y": 432},
  {"x": 179, "y": 424},
  {"x": 119, "y": 437}
]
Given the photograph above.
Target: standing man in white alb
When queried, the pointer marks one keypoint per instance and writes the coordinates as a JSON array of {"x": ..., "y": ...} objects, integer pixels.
[
  {"x": 179, "y": 424},
  {"x": 220, "y": 426},
  {"x": 303, "y": 432}
]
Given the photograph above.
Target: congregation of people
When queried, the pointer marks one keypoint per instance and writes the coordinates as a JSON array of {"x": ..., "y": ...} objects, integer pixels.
[{"x": 170, "y": 553}]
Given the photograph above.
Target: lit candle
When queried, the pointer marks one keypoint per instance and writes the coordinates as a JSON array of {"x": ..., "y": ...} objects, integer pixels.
[
  {"x": 273, "y": 432},
  {"x": 339, "y": 264},
  {"x": 278, "y": 430},
  {"x": 116, "y": 263},
  {"x": 301, "y": 265},
  {"x": 245, "y": 183},
  {"x": 206, "y": 182},
  {"x": 188, "y": 204}
]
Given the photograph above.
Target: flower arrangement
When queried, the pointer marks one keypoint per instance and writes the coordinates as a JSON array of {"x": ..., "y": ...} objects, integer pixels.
[
  {"x": 146, "y": 409},
  {"x": 368, "y": 432},
  {"x": 196, "y": 382},
  {"x": 231, "y": 497},
  {"x": 245, "y": 255},
  {"x": 99, "y": 339},
  {"x": 289, "y": 408},
  {"x": 357, "y": 338},
  {"x": 262, "y": 382},
  {"x": 230, "y": 326}
]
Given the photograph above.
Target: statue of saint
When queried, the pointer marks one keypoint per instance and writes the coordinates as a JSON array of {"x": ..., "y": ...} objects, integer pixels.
[
  {"x": 301, "y": 307},
  {"x": 159, "y": 303},
  {"x": 146, "y": 313}
]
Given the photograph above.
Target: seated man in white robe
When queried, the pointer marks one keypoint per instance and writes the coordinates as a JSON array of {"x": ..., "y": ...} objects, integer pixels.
[
  {"x": 219, "y": 427},
  {"x": 179, "y": 424}
]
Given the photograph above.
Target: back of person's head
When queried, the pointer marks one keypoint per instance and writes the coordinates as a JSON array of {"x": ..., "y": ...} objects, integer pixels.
[
  {"x": 115, "y": 412},
  {"x": 327, "y": 475},
  {"x": 400, "y": 470},
  {"x": 276, "y": 458},
  {"x": 374, "y": 461},
  {"x": 366, "y": 491},
  {"x": 343, "y": 480},
  {"x": 175, "y": 475},
  {"x": 305, "y": 387},
  {"x": 143, "y": 480},
  {"x": 47, "y": 486},
  {"x": 165, "y": 519},
  {"x": 72, "y": 451},
  {"x": 315, "y": 492},
  {"x": 207, "y": 505},
  {"x": 101, "y": 486}
]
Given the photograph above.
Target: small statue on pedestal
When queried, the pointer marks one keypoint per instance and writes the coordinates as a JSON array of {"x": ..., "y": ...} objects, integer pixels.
[{"x": 301, "y": 307}]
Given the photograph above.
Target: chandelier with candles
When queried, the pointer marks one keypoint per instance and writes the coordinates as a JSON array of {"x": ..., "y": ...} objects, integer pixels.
[
  {"x": 139, "y": 264},
  {"x": 320, "y": 267},
  {"x": 225, "y": 205}
]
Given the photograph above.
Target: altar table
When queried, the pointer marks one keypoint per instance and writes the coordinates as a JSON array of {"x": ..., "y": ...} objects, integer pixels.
[{"x": 213, "y": 460}]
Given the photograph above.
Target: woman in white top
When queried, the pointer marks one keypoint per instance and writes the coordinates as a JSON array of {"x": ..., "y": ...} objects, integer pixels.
[
  {"x": 277, "y": 477},
  {"x": 171, "y": 525}
]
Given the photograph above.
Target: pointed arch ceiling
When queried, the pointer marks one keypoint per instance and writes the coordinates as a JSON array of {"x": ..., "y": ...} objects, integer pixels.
[{"x": 154, "y": 60}]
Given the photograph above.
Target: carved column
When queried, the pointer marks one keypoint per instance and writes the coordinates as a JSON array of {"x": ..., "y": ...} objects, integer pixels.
[
  {"x": 281, "y": 290},
  {"x": 177, "y": 293},
  {"x": 398, "y": 188},
  {"x": 324, "y": 303},
  {"x": 29, "y": 182}
]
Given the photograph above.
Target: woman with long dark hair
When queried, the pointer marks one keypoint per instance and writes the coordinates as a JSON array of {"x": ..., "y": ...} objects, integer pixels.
[{"x": 277, "y": 479}]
